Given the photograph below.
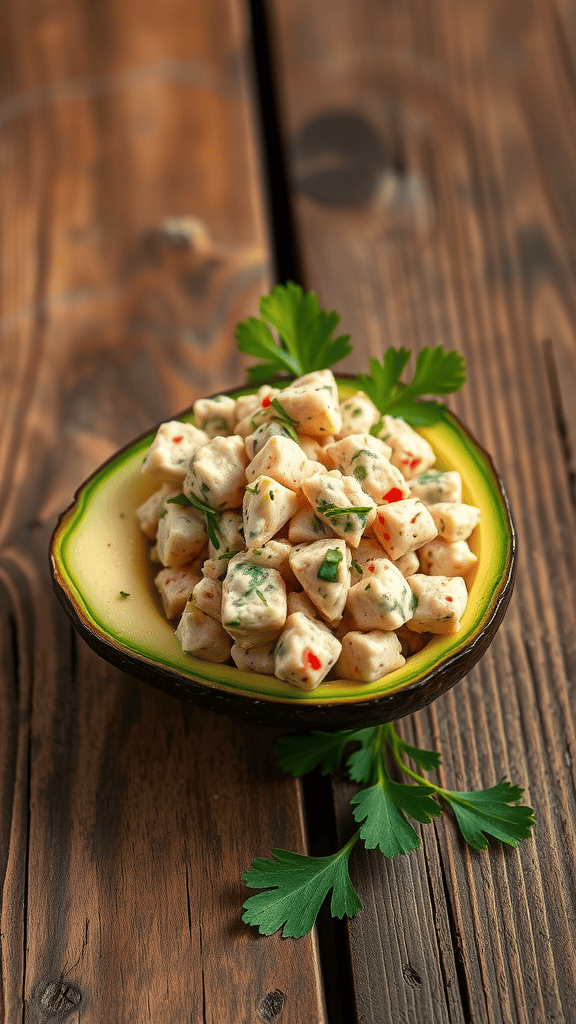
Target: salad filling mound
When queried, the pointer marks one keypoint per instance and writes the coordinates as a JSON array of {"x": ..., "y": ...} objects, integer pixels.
[{"x": 300, "y": 536}]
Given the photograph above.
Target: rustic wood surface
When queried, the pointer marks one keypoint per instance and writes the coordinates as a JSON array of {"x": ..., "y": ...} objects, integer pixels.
[
  {"x": 432, "y": 161},
  {"x": 126, "y": 819},
  {"x": 432, "y": 165}
]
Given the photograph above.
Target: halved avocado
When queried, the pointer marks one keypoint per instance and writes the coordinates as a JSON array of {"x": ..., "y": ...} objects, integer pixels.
[{"x": 103, "y": 575}]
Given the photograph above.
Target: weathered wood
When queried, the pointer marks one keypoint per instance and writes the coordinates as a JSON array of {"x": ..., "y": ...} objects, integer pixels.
[
  {"x": 432, "y": 159},
  {"x": 125, "y": 819}
]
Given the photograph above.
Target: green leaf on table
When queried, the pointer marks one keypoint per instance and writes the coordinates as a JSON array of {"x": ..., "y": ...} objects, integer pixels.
[
  {"x": 305, "y": 329},
  {"x": 491, "y": 812},
  {"x": 360, "y": 763},
  {"x": 301, "y": 754},
  {"x": 438, "y": 372},
  {"x": 296, "y": 887},
  {"x": 429, "y": 760},
  {"x": 383, "y": 807}
]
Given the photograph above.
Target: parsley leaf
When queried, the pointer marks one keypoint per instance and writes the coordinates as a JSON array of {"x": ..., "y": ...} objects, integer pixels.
[
  {"x": 296, "y": 887},
  {"x": 304, "y": 328},
  {"x": 301, "y": 754},
  {"x": 439, "y": 371},
  {"x": 488, "y": 813}
]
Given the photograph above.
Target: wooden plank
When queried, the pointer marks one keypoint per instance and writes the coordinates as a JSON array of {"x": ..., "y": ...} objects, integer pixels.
[
  {"x": 125, "y": 819},
  {"x": 432, "y": 152}
]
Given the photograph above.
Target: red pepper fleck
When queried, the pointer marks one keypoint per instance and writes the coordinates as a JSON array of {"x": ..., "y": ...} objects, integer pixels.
[
  {"x": 405, "y": 462},
  {"x": 312, "y": 660},
  {"x": 413, "y": 520},
  {"x": 178, "y": 439},
  {"x": 266, "y": 402},
  {"x": 449, "y": 598},
  {"x": 394, "y": 494},
  {"x": 414, "y": 463},
  {"x": 371, "y": 568},
  {"x": 381, "y": 519},
  {"x": 386, "y": 536}
]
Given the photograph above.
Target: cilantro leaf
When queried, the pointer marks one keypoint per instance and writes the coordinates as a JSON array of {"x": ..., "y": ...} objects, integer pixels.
[
  {"x": 488, "y": 813},
  {"x": 296, "y": 887},
  {"x": 212, "y": 518},
  {"x": 328, "y": 571},
  {"x": 304, "y": 328},
  {"x": 301, "y": 754},
  {"x": 438, "y": 372}
]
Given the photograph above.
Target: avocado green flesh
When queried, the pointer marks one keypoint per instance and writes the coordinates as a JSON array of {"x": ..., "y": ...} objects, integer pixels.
[{"x": 100, "y": 553}]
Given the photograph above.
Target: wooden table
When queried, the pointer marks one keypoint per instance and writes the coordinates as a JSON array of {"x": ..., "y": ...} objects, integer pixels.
[{"x": 425, "y": 153}]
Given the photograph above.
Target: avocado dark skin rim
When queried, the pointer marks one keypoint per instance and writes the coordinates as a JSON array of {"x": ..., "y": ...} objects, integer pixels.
[{"x": 299, "y": 716}]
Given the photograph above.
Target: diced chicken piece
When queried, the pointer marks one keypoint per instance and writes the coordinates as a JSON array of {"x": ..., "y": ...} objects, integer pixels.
[
  {"x": 322, "y": 568},
  {"x": 403, "y": 526},
  {"x": 369, "y": 656},
  {"x": 215, "y": 568},
  {"x": 435, "y": 486},
  {"x": 175, "y": 587},
  {"x": 305, "y": 652},
  {"x": 247, "y": 405},
  {"x": 172, "y": 449},
  {"x": 319, "y": 379},
  {"x": 216, "y": 416},
  {"x": 368, "y": 552},
  {"x": 267, "y": 506},
  {"x": 454, "y": 521},
  {"x": 257, "y": 439},
  {"x": 382, "y": 602},
  {"x": 283, "y": 460},
  {"x": 201, "y": 635},
  {"x": 312, "y": 407},
  {"x": 347, "y": 451},
  {"x": 314, "y": 450},
  {"x": 446, "y": 558},
  {"x": 255, "y": 659},
  {"x": 230, "y": 533},
  {"x": 306, "y": 527},
  {"x": 440, "y": 603},
  {"x": 253, "y": 604},
  {"x": 272, "y": 555},
  {"x": 411, "y": 642},
  {"x": 411, "y": 453},
  {"x": 298, "y": 601},
  {"x": 217, "y": 474},
  {"x": 408, "y": 563},
  {"x": 181, "y": 535},
  {"x": 366, "y": 459},
  {"x": 207, "y": 596},
  {"x": 358, "y": 414},
  {"x": 340, "y": 502},
  {"x": 148, "y": 514}
]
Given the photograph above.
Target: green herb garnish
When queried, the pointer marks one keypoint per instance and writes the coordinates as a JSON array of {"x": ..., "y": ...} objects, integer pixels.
[
  {"x": 438, "y": 372},
  {"x": 124, "y": 594},
  {"x": 332, "y": 511},
  {"x": 211, "y": 516},
  {"x": 305, "y": 330},
  {"x": 328, "y": 571},
  {"x": 287, "y": 422},
  {"x": 295, "y": 886}
]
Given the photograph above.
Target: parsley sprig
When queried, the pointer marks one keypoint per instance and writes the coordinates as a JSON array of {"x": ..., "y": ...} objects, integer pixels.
[
  {"x": 438, "y": 372},
  {"x": 295, "y": 886},
  {"x": 212, "y": 518},
  {"x": 304, "y": 328}
]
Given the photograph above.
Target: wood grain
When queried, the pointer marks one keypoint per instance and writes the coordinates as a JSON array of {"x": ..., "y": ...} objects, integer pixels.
[
  {"x": 134, "y": 237},
  {"x": 432, "y": 161}
]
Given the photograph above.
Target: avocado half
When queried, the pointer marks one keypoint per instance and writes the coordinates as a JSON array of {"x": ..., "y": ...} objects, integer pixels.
[{"x": 102, "y": 574}]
